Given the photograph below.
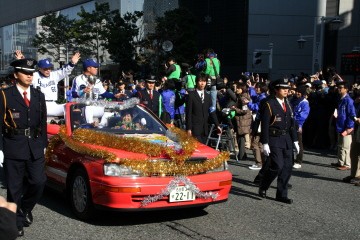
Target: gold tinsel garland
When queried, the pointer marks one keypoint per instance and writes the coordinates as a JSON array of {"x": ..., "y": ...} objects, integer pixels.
[
  {"x": 133, "y": 144},
  {"x": 174, "y": 166}
]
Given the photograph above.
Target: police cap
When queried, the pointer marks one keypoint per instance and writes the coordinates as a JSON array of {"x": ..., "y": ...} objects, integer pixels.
[
  {"x": 150, "y": 79},
  {"x": 24, "y": 65},
  {"x": 281, "y": 83}
]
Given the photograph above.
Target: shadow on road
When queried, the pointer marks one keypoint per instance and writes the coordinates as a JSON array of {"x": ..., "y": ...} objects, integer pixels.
[
  {"x": 57, "y": 202},
  {"x": 303, "y": 174}
]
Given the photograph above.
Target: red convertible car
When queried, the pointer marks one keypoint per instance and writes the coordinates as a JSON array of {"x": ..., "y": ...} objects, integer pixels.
[{"x": 120, "y": 156}]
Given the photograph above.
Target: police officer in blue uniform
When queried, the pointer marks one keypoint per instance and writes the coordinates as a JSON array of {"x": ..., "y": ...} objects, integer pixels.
[
  {"x": 23, "y": 141},
  {"x": 278, "y": 136}
]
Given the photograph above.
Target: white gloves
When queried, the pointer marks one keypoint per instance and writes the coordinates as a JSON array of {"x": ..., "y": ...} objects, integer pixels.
[
  {"x": 266, "y": 149},
  {"x": 297, "y": 147},
  {"x": 1, "y": 158},
  {"x": 44, "y": 151}
]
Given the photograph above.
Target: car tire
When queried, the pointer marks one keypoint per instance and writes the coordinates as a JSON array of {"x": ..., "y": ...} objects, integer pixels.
[{"x": 80, "y": 195}]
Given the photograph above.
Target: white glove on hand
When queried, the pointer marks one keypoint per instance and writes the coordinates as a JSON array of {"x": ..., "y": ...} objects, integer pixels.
[
  {"x": 1, "y": 158},
  {"x": 44, "y": 151},
  {"x": 266, "y": 149},
  {"x": 297, "y": 147}
]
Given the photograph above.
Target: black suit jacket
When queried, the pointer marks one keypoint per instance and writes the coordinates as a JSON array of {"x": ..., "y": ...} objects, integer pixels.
[
  {"x": 34, "y": 116},
  {"x": 197, "y": 114},
  {"x": 273, "y": 117}
]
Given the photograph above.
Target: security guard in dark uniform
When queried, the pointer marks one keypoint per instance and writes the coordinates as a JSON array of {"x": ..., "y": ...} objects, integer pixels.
[
  {"x": 23, "y": 141},
  {"x": 278, "y": 136},
  {"x": 150, "y": 97}
]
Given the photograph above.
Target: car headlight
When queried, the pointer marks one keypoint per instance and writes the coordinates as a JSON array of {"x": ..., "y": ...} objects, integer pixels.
[
  {"x": 222, "y": 167},
  {"x": 116, "y": 170}
]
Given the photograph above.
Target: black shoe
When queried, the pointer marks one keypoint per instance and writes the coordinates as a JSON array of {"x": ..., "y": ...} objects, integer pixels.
[
  {"x": 336, "y": 164},
  {"x": 289, "y": 186},
  {"x": 28, "y": 218},
  {"x": 347, "y": 179},
  {"x": 284, "y": 200},
  {"x": 20, "y": 231},
  {"x": 262, "y": 193},
  {"x": 257, "y": 179}
]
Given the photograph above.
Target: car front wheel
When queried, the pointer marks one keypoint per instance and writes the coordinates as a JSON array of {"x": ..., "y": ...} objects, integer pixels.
[{"x": 80, "y": 195}]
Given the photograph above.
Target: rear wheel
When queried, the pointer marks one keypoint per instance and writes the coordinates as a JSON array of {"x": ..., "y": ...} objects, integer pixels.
[{"x": 80, "y": 195}]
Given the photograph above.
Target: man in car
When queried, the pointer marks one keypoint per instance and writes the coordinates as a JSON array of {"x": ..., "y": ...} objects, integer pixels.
[
  {"x": 88, "y": 86},
  {"x": 47, "y": 80}
]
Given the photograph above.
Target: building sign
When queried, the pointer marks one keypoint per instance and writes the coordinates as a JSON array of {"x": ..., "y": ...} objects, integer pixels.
[{"x": 350, "y": 64}]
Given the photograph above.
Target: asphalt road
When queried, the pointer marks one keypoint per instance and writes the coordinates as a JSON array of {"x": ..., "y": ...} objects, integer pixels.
[{"x": 324, "y": 208}]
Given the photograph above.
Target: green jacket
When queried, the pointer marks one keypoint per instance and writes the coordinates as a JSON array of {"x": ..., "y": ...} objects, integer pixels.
[
  {"x": 210, "y": 67},
  {"x": 190, "y": 81},
  {"x": 176, "y": 73}
]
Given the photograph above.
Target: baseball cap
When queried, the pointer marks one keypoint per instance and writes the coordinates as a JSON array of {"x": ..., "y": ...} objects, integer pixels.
[
  {"x": 90, "y": 63},
  {"x": 45, "y": 63}
]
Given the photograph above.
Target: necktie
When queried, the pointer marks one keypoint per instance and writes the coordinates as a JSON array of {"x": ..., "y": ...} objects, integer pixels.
[
  {"x": 202, "y": 97},
  {"x": 284, "y": 106},
  {"x": 150, "y": 93},
  {"x": 26, "y": 100}
]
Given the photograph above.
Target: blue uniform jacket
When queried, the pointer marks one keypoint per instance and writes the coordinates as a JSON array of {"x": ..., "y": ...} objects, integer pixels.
[
  {"x": 168, "y": 98},
  {"x": 346, "y": 114},
  {"x": 301, "y": 110},
  {"x": 254, "y": 106},
  {"x": 252, "y": 93}
]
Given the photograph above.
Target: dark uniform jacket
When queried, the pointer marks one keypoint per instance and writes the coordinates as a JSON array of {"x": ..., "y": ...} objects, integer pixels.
[
  {"x": 197, "y": 113},
  {"x": 277, "y": 127},
  {"x": 14, "y": 144},
  {"x": 153, "y": 104}
]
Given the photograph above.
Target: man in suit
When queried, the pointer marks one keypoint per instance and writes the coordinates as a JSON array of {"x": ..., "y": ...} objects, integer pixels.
[
  {"x": 198, "y": 110},
  {"x": 23, "y": 141},
  {"x": 278, "y": 135},
  {"x": 150, "y": 97}
]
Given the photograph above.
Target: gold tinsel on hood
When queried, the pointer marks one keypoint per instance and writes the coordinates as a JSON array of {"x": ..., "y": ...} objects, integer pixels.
[{"x": 176, "y": 164}]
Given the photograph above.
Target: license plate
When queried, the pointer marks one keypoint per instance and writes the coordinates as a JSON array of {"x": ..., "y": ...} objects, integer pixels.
[{"x": 181, "y": 194}]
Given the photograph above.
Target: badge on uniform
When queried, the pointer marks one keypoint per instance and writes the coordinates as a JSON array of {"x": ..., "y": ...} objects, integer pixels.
[
  {"x": 277, "y": 119},
  {"x": 15, "y": 115}
]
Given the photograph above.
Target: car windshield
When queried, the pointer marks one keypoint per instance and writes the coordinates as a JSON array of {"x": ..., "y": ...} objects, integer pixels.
[{"x": 115, "y": 117}]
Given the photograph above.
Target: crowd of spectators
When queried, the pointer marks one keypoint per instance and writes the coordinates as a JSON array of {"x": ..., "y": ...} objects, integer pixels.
[{"x": 238, "y": 101}]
